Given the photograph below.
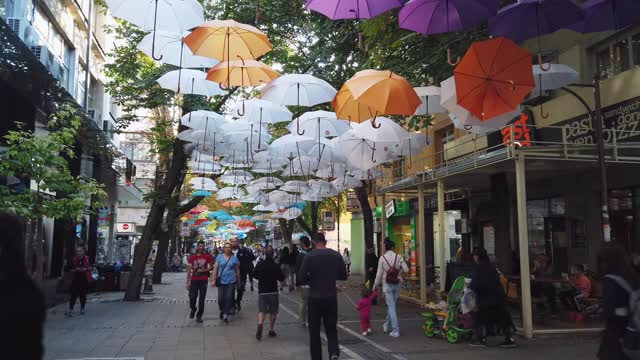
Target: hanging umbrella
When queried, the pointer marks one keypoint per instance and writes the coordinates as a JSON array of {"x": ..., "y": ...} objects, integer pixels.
[
  {"x": 294, "y": 144},
  {"x": 202, "y": 119},
  {"x": 366, "y": 174},
  {"x": 387, "y": 131},
  {"x": 231, "y": 204},
  {"x": 241, "y": 73},
  {"x": 346, "y": 182},
  {"x": 557, "y": 76},
  {"x": 322, "y": 186},
  {"x": 364, "y": 154},
  {"x": 411, "y": 145},
  {"x": 267, "y": 208},
  {"x": 298, "y": 90},
  {"x": 201, "y": 180},
  {"x": 294, "y": 186},
  {"x": 256, "y": 197},
  {"x": 493, "y": 77},
  {"x": 528, "y": 19},
  {"x": 291, "y": 213},
  {"x": 236, "y": 163},
  {"x": 231, "y": 192},
  {"x": 352, "y": 9},
  {"x": 320, "y": 124},
  {"x": 267, "y": 183},
  {"x": 228, "y": 40},
  {"x": 281, "y": 197},
  {"x": 243, "y": 223},
  {"x": 334, "y": 170},
  {"x": 604, "y": 15},
  {"x": 385, "y": 92},
  {"x": 189, "y": 81},
  {"x": 430, "y": 97},
  {"x": 152, "y": 15},
  {"x": 257, "y": 111},
  {"x": 169, "y": 45},
  {"x": 204, "y": 168},
  {"x": 347, "y": 108}
]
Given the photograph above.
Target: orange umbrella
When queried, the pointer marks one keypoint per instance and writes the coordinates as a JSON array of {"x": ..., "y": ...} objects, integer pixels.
[
  {"x": 493, "y": 77},
  {"x": 231, "y": 204},
  {"x": 385, "y": 92},
  {"x": 226, "y": 40},
  {"x": 347, "y": 108},
  {"x": 243, "y": 223},
  {"x": 241, "y": 73}
]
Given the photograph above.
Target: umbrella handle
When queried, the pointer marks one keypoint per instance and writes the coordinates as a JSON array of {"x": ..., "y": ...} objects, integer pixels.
[
  {"x": 468, "y": 127},
  {"x": 298, "y": 128},
  {"x": 542, "y": 113},
  {"x": 541, "y": 64},
  {"x": 373, "y": 152},
  {"x": 243, "y": 109},
  {"x": 452, "y": 63},
  {"x": 374, "y": 124},
  {"x": 153, "y": 42}
]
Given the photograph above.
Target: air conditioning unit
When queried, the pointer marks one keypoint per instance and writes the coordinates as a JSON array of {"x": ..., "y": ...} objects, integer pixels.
[
  {"x": 95, "y": 115},
  {"x": 46, "y": 58},
  {"x": 24, "y": 30}
]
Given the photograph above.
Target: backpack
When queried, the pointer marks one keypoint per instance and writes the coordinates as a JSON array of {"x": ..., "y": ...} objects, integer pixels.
[
  {"x": 393, "y": 274},
  {"x": 631, "y": 337}
]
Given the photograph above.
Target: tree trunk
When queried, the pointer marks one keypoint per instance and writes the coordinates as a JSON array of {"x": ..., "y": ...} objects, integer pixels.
[
  {"x": 312, "y": 228},
  {"x": 161, "y": 256},
  {"x": 286, "y": 226},
  {"x": 367, "y": 215}
]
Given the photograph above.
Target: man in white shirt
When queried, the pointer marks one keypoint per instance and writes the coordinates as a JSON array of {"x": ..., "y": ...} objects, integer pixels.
[{"x": 391, "y": 282}]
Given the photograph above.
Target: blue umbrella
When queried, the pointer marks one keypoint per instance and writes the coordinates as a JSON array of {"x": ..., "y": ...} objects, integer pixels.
[
  {"x": 203, "y": 193},
  {"x": 603, "y": 15}
]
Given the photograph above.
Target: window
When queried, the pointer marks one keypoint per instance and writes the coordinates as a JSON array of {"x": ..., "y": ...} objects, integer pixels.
[
  {"x": 635, "y": 48},
  {"x": 6, "y": 8},
  {"x": 620, "y": 54}
]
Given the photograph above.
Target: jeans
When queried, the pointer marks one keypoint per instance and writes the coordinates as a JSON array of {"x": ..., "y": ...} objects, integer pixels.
[
  {"x": 242, "y": 289},
  {"x": 198, "y": 287},
  {"x": 304, "y": 304},
  {"x": 226, "y": 302},
  {"x": 323, "y": 310},
  {"x": 391, "y": 294}
]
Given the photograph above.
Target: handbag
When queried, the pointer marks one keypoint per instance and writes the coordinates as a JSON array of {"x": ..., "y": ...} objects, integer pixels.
[{"x": 219, "y": 277}]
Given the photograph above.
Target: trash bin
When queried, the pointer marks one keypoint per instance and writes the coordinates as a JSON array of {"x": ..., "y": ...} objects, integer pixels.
[{"x": 124, "y": 280}]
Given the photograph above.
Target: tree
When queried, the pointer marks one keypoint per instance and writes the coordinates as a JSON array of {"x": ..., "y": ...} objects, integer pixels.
[{"x": 43, "y": 161}]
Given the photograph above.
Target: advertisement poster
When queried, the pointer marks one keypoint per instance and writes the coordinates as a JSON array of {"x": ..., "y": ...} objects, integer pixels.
[{"x": 104, "y": 232}]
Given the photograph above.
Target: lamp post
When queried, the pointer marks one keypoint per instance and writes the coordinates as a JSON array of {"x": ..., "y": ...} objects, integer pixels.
[{"x": 597, "y": 123}]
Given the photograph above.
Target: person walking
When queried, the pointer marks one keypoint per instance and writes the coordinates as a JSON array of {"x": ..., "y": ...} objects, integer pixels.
[
  {"x": 291, "y": 261},
  {"x": 364, "y": 307},
  {"x": 346, "y": 258},
  {"x": 246, "y": 258},
  {"x": 371, "y": 265},
  {"x": 226, "y": 273},
  {"x": 268, "y": 273},
  {"x": 320, "y": 269},
  {"x": 80, "y": 270},
  {"x": 175, "y": 266},
  {"x": 390, "y": 267},
  {"x": 285, "y": 261},
  {"x": 491, "y": 301},
  {"x": 618, "y": 273},
  {"x": 200, "y": 265},
  {"x": 300, "y": 283}
]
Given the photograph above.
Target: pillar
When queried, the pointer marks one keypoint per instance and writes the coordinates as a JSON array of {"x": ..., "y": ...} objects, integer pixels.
[
  {"x": 383, "y": 222},
  {"x": 441, "y": 235},
  {"x": 523, "y": 242},
  {"x": 422, "y": 245}
]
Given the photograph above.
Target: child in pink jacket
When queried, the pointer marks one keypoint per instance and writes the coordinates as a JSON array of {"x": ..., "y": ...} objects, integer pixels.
[{"x": 364, "y": 306}]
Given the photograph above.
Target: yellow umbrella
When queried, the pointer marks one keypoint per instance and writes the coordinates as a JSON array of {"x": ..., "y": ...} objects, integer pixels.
[
  {"x": 242, "y": 73},
  {"x": 347, "y": 108},
  {"x": 227, "y": 40},
  {"x": 385, "y": 92}
]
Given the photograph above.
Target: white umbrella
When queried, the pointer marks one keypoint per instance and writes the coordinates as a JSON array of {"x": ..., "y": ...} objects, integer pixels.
[
  {"x": 281, "y": 197},
  {"x": 320, "y": 124},
  {"x": 257, "y": 111},
  {"x": 430, "y": 97},
  {"x": 235, "y": 162},
  {"x": 266, "y": 183},
  {"x": 265, "y": 167},
  {"x": 305, "y": 165},
  {"x": 153, "y": 15},
  {"x": 256, "y": 197},
  {"x": 231, "y": 192},
  {"x": 294, "y": 144},
  {"x": 388, "y": 130},
  {"x": 205, "y": 187},
  {"x": 298, "y": 90},
  {"x": 201, "y": 180},
  {"x": 204, "y": 120},
  {"x": 188, "y": 81},
  {"x": 364, "y": 154},
  {"x": 366, "y": 174},
  {"x": 334, "y": 170},
  {"x": 291, "y": 213},
  {"x": 413, "y": 144},
  {"x": 346, "y": 182},
  {"x": 169, "y": 45},
  {"x": 204, "y": 168},
  {"x": 557, "y": 76},
  {"x": 294, "y": 186},
  {"x": 267, "y": 208},
  {"x": 322, "y": 186}
]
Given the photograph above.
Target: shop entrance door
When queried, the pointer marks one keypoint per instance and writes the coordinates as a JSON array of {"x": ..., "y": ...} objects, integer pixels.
[{"x": 557, "y": 241}]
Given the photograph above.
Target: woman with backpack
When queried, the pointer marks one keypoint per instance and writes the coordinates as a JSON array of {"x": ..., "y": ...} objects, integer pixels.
[
  {"x": 620, "y": 281},
  {"x": 389, "y": 275}
]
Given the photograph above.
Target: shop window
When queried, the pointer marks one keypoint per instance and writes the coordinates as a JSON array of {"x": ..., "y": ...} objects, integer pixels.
[
  {"x": 604, "y": 63},
  {"x": 620, "y": 54},
  {"x": 635, "y": 48}
]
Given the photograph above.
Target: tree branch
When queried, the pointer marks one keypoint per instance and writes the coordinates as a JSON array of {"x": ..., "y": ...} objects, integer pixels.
[{"x": 303, "y": 224}]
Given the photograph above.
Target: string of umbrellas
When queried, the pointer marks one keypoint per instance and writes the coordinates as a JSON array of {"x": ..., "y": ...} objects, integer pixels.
[{"x": 329, "y": 152}]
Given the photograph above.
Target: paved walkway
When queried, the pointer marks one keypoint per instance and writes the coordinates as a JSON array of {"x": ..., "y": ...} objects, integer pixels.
[{"x": 158, "y": 328}]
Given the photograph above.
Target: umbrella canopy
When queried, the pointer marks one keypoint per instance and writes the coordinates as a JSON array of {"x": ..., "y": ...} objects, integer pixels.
[
  {"x": 347, "y": 108},
  {"x": 241, "y": 73},
  {"x": 243, "y": 223},
  {"x": 430, "y": 97},
  {"x": 603, "y": 15},
  {"x": 334, "y": 170},
  {"x": 352, "y": 9},
  {"x": 188, "y": 81},
  {"x": 364, "y": 154},
  {"x": 169, "y": 45},
  {"x": 493, "y": 77},
  {"x": 204, "y": 168},
  {"x": 256, "y": 197},
  {"x": 440, "y": 16},
  {"x": 320, "y": 124},
  {"x": 557, "y": 76},
  {"x": 231, "y": 192},
  {"x": 346, "y": 182},
  {"x": 268, "y": 208},
  {"x": 227, "y": 40},
  {"x": 282, "y": 198},
  {"x": 383, "y": 91},
  {"x": 412, "y": 144},
  {"x": 204, "y": 120},
  {"x": 231, "y": 204},
  {"x": 366, "y": 174},
  {"x": 321, "y": 185},
  {"x": 291, "y": 213},
  {"x": 257, "y": 111},
  {"x": 292, "y": 144},
  {"x": 528, "y": 19},
  {"x": 266, "y": 183},
  {"x": 299, "y": 90},
  {"x": 387, "y": 131},
  {"x": 294, "y": 186}
]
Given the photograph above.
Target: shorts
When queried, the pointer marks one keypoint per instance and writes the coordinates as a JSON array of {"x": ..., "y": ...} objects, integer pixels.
[{"x": 268, "y": 303}]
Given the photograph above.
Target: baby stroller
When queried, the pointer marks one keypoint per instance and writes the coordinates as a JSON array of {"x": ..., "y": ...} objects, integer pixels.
[{"x": 450, "y": 324}]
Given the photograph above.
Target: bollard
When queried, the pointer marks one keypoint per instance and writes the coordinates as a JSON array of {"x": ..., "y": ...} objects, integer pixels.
[{"x": 148, "y": 285}]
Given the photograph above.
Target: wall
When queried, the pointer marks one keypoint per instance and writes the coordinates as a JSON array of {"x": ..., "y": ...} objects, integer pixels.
[
  {"x": 357, "y": 244},
  {"x": 345, "y": 234}
]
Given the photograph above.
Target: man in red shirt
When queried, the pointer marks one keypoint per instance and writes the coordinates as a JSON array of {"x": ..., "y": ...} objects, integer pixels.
[{"x": 200, "y": 264}]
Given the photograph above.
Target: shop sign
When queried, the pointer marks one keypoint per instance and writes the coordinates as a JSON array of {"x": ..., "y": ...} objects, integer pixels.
[
  {"x": 328, "y": 221},
  {"x": 520, "y": 132},
  {"x": 126, "y": 228},
  {"x": 390, "y": 208},
  {"x": 185, "y": 230}
]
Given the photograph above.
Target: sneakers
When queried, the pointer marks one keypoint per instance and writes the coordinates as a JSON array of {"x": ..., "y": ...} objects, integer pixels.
[
  {"x": 365, "y": 333},
  {"x": 81, "y": 311},
  {"x": 68, "y": 313},
  {"x": 479, "y": 343},
  {"x": 385, "y": 328},
  {"x": 394, "y": 334},
  {"x": 508, "y": 343},
  {"x": 259, "y": 332},
  {"x": 226, "y": 321},
  {"x": 238, "y": 307},
  {"x": 221, "y": 316},
  {"x": 192, "y": 314},
  {"x": 369, "y": 331},
  {"x": 199, "y": 320},
  {"x": 272, "y": 333}
]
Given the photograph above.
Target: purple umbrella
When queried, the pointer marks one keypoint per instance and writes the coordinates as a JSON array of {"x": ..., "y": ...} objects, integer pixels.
[
  {"x": 352, "y": 9},
  {"x": 603, "y": 15},
  {"x": 532, "y": 18},
  {"x": 439, "y": 16}
]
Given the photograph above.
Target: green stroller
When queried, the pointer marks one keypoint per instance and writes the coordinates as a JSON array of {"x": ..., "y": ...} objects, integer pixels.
[{"x": 448, "y": 324}]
